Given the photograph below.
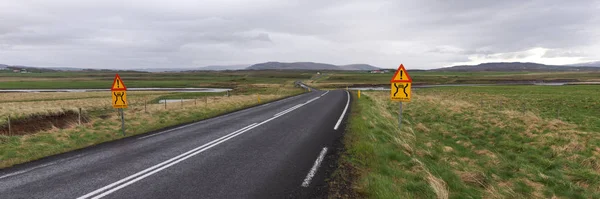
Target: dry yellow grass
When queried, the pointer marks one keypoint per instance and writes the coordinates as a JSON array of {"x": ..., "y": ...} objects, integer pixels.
[
  {"x": 49, "y": 96},
  {"x": 55, "y": 102}
]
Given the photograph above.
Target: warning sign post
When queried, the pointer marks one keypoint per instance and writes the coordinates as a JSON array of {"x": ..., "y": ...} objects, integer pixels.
[
  {"x": 119, "y": 98},
  {"x": 400, "y": 89}
]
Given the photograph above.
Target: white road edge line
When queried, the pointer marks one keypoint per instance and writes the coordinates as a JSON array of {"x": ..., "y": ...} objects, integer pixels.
[
  {"x": 161, "y": 166},
  {"x": 315, "y": 167},
  {"x": 337, "y": 125},
  {"x": 27, "y": 170},
  {"x": 164, "y": 163},
  {"x": 40, "y": 166}
]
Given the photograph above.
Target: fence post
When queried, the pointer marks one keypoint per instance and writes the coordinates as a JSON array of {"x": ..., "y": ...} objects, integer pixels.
[
  {"x": 206, "y": 101},
  {"x": 181, "y": 102},
  {"x": 165, "y": 103},
  {"x": 79, "y": 116},
  {"x": 9, "y": 130},
  {"x": 145, "y": 106}
]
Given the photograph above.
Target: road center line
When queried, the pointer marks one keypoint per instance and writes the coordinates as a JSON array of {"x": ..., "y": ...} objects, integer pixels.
[
  {"x": 287, "y": 110},
  {"x": 210, "y": 144},
  {"x": 337, "y": 125},
  {"x": 324, "y": 93},
  {"x": 170, "y": 164},
  {"x": 315, "y": 167}
]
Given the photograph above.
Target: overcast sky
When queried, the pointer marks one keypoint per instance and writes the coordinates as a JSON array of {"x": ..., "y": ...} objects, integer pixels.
[{"x": 193, "y": 33}]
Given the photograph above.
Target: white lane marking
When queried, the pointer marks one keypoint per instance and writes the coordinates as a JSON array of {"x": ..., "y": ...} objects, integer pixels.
[
  {"x": 152, "y": 135},
  {"x": 315, "y": 167},
  {"x": 170, "y": 164},
  {"x": 288, "y": 110},
  {"x": 165, "y": 162},
  {"x": 324, "y": 93},
  {"x": 237, "y": 112},
  {"x": 296, "y": 107},
  {"x": 337, "y": 125},
  {"x": 156, "y": 168},
  {"x": 313, "y": 99}
]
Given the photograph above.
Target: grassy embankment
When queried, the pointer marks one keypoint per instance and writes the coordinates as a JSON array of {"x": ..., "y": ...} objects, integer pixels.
[
  {"x": 103, "y": 121},
  {"x": 476, "y": 142}
]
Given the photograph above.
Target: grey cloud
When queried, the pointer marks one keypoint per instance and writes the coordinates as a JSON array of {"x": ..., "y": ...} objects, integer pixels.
[
  {"x": 425, "y": 34},
  {"x": 552, "y": 53}
]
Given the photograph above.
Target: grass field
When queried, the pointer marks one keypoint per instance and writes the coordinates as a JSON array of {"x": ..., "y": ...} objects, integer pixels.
[
  {"x": 476, "y": 142},
  {"x": 81, "y": 80},
  {"x": 343, "y": 79},
  {"x": 231, "y": 79}
]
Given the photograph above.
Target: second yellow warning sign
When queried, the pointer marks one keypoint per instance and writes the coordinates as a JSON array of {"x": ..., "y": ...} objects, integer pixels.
[
  {"x": 119, "y": 99},
  {"x": 400, "y": 91}
]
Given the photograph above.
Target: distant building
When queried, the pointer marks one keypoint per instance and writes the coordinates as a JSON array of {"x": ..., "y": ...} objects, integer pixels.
[
  {"x": 16, "y": 70},
  {"x": 377, "y": 71}
]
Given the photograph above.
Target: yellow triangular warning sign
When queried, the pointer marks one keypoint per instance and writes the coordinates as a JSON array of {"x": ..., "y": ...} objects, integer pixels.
[
  {"x": 401, "y": 75},
  {"x": 118, "y": 84}
]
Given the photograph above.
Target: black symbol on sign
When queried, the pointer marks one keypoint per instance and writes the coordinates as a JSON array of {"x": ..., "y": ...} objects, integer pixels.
[
  {"x": 401, "y": 74},
  {"x": 118, "y": 85},
  {"x": 403, "y": 89},
  {"x": 119, "y": 95}
]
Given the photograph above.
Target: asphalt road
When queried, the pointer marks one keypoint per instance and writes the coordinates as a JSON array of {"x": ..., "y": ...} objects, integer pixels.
[{"x": 283, "y": 149}]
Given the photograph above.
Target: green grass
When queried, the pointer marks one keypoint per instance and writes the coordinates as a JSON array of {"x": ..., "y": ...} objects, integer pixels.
[{"x": 464, "y": 143}]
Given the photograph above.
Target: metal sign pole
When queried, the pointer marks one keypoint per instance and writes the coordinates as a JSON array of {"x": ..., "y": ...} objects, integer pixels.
[
  {"x": 400, "y": 117},
  {"x": 122, "y": 121}
]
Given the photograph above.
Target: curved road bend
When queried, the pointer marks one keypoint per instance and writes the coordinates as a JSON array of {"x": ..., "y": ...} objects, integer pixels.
[{"x": 274, "y": 150}]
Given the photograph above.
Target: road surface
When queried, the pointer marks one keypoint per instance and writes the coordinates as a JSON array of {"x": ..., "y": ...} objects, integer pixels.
[{"x": 283, "y": 149}]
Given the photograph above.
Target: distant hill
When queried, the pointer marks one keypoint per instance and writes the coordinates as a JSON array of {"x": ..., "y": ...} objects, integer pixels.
[
  {"x": 308, "y": 66},
  {"x": 225, "y": 67},
  {"x": 592, "y": 64},
  {"x": 516, "y": 67},
  {"x": 358, "y": 67},
  {"x": 28, "y": 68}
]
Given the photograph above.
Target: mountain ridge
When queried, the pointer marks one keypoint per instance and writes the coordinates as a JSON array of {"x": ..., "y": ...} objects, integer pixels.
[{"x": 308, "y": 66}]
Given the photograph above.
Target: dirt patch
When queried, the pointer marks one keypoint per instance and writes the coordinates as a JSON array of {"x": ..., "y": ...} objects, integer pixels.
[
  {"x": 42, "y": 122},
  {"x": 474, "y": 178}
]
